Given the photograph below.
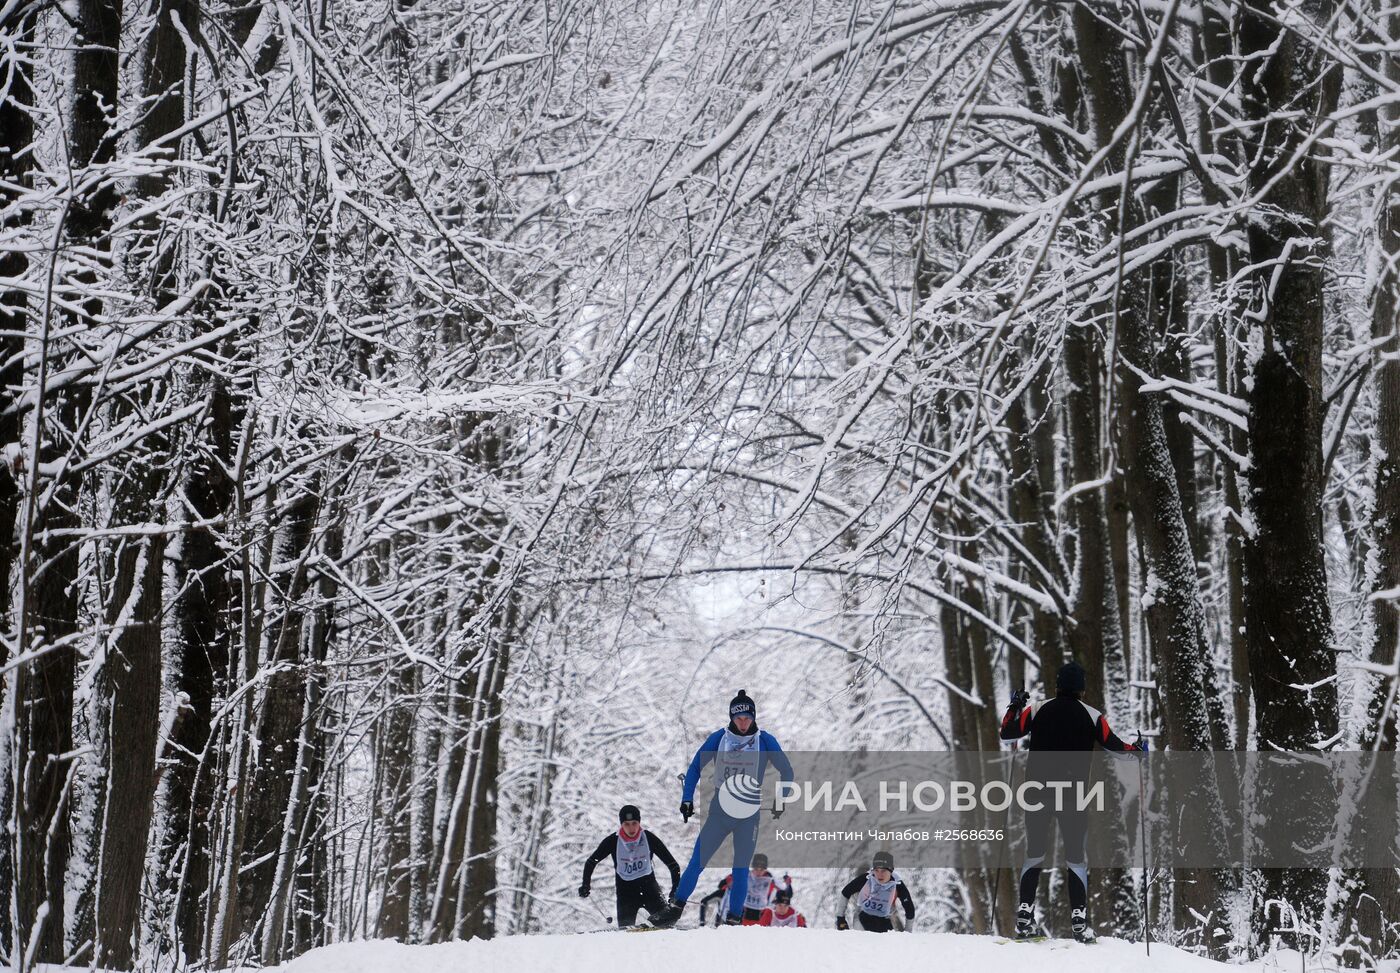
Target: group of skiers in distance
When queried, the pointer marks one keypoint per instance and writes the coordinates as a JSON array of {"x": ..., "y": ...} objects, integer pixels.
[{"x": 750, "y": 895}]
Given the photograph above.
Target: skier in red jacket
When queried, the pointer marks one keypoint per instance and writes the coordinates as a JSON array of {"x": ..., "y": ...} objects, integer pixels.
[
  {"x": 781, "y": 913},
  {"x": 1063, "y": 731}
]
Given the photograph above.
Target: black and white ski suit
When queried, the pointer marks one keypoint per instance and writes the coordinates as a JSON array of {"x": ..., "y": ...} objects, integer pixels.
[
  {"x": 636, "y": 882},
  {"x": 1069, "y": 729},
  {"x": 875, "y": 907}
]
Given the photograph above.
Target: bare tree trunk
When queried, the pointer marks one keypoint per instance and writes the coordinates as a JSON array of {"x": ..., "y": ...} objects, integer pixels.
[
  {"x": 207, "y": 622},
  {"x": 44, "y": 689},
  {"x": 395, "y": 753},
  {"x": 1216, "y": 44},
  {"x": 132, "y": 674},
  {"x": 1372, "y": 901},
  {"x": 476, "y": 899},
  {"x": 1171, "y": 598},
  {"x": 1119, "y": 512},
  {"x": 280, "y": 712},
  {"x": 228, "y": 823},
  {"x": 1037, "y": 535},
  {"x": 205, "y": 656},
  {"x": 1384, "y": 562},
  {"x": 135, "y": 606},
  {"x": 426, "y": 745},
  {"x": 539, "y": 803},
  {"x": 297, "y": 906},
  {"x": 396, "y": 776},
  {"x": 1288, "y": 620},
  {"x": 1096, "y": 634},
  {"x": 16, "y": 166}
]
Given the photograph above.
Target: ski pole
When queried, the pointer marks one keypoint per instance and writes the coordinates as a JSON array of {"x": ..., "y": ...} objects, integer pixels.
[
  {"x": 598, "y": 909},
  {"x": 996, "y": 882},
  {"x": 1142, "y": 826}
]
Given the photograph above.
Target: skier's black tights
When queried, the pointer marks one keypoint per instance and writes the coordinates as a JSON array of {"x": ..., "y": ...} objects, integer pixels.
[
  {"x": 1074, "y": 829},
  {"x": 641, "y": 893},
  {"x": 875, "y": 923}
]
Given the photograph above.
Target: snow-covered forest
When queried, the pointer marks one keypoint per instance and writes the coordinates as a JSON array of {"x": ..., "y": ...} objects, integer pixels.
[{"x": 420, "y": 416}]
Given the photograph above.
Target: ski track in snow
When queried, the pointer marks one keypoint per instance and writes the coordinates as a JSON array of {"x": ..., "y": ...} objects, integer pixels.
[{"x": 798, "y": 950}]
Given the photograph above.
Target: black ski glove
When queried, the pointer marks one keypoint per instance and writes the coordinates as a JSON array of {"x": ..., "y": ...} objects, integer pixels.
[
  {"x": 1020, "y": 698},
  {"x": 583, "y": 891},
  {"x": 841, "y": 923},
  {"x": 1141, "y": 746},
  {"x": 777, "y": 811},
  {"x": 687, "y": 809}
]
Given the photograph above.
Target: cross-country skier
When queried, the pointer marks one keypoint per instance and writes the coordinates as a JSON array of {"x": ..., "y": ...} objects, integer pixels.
[
  {"x": 631, "y": 848},
  {"x": 721, "y": 893},
  {"x": 781, "y": 913},
  {"x": 878, "y": 889},
  {"x": 1063, "y": 725},
  {"x": 762, "y": 887},
  {"x": 740, "y": 753}
]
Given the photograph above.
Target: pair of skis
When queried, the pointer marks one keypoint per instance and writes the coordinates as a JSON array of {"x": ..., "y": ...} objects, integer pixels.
[
  {"x": 1059, "y": 943},
  {"x": 638, "y": 928}
]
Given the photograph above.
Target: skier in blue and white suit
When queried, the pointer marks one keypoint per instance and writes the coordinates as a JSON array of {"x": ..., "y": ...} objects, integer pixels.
[{"x": 740, "y": 752}]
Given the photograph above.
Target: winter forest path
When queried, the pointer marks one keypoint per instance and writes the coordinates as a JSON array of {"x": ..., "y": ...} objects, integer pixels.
[{"x": 799, "y": 951}]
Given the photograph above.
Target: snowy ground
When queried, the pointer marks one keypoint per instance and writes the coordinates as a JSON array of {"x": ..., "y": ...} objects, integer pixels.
[{"x": 799, "y": 951}]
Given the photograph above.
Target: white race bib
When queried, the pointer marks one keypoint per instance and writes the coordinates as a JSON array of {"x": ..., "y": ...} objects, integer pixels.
[
  {"x": 789, "y": 920},
  {"x": 759, "y": 891},
  {"x": 738, "y": 755},
  {"x": 877, "y": 898},
  {"x": 633, "y": 857}
]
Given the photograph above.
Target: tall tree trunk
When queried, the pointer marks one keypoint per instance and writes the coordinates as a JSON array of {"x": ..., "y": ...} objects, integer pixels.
[
  {"x": 206, "y": 613},
  {"x": 1171, "y": 597},
  {"x": 280, "y": 712},
  {"x": 298, "y": 912},
  {"x": 44, "y": 688},
  {"x": 1031, "y": 420},
  {"x": 229, "y": 820},
  {"x": 538, "y": 805},
  {"x": 16, "y": 166},
  {"x": 395, "y": 754},
  {"x": 427, "y": 743},
  {"x": 1372, "y": 897},
  {"x": 1096, "y": 634},
  {"x": 1037, "y": 533},
  {"x": 1287, "y": 89},
  {"x": 135, "y": 606},
  {"x": 1217, "y": 40},
  {"x": 476, "y": 897},
  {"x": 204, "y": 656},
  {"x": 132, "y": 675},
  {"x": 1384, "y": 563}
]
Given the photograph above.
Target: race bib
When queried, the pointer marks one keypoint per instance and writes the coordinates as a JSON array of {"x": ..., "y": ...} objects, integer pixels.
[{"x": 633, "y": 857}]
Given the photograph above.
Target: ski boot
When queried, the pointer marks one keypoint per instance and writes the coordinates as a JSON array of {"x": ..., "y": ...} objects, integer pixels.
[
  {"x": 1079, "y": 922},
  {"x": 733, "y": 919},
  {"x": 670, "y": 915},
  {"x": 1025, "y": 922}
]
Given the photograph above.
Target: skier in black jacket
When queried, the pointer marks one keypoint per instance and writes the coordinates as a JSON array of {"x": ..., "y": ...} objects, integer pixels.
[
  {"x": 631, "y": 848},
  {"x": 1070, "y": 729},
  {"x": 878, "y": 888},
  {"x": 721, "y": 909}
]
